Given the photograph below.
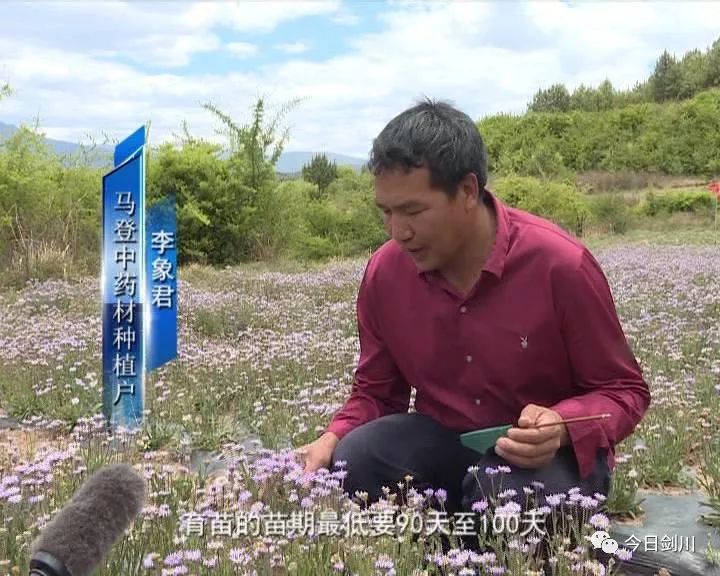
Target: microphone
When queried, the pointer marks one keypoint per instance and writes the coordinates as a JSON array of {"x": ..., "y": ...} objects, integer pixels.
[{"x": 82, "y": 533}]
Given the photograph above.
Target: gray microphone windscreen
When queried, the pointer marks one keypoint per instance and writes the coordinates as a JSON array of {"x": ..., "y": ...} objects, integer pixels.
[{"x": 83, "y": 531}]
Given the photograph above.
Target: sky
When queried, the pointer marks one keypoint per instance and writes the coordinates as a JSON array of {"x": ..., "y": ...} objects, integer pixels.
[{"x": 85, "y": 70}]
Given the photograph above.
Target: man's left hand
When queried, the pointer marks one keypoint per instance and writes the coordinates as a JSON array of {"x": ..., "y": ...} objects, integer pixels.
[{"x": 528, "y": 447}]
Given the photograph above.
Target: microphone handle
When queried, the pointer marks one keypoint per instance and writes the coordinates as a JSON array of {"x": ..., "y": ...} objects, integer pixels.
[{"x": 44, "y": 564}]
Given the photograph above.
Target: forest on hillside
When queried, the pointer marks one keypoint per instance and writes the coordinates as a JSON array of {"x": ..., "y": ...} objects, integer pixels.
[{"x": 233, "y": 207}]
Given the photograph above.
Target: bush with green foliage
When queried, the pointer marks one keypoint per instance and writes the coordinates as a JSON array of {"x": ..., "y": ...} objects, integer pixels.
[
  {"x": 674, "y": 138},
  {"x": 697, "y": 201},
  {"x": 346, "y": 222},
  {"x": 611, "y": 212},
  {"x": 560, "y": 202},
  {"x": 49, "y": 210},
  {"x": 225, "y": 195}
]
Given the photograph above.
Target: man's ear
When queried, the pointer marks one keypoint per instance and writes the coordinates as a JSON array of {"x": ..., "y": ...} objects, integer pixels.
[{"x": 469, "y": 191}]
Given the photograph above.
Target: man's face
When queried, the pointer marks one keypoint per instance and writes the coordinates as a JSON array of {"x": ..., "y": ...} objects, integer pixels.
[{"x": 424, "y": 221}]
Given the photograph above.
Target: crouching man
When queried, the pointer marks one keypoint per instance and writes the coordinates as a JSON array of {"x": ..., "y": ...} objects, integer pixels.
[{"x": 494, "y": 316}]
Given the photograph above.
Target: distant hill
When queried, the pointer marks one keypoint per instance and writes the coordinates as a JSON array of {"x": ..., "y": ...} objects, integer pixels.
[
  {"x": 288, "y": 163},
  {"x": 103, "y": 154},
  {"x": 292, "y": 162}
]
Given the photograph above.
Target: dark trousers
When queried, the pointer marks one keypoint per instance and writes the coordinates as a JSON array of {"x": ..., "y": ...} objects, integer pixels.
[{"x": 385, "y": 450}]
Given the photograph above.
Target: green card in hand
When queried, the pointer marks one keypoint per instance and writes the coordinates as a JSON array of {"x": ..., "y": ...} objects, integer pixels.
[{"x": 481, "y": 440}]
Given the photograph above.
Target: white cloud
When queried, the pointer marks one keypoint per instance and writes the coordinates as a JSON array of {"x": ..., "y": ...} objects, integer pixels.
[
  {"x": 252, "y": 15},
  {"x": 173, "y": 51},
  {"x": 621, "y": 40},
  {"x": 242, "y": 49},
  {"x": 474, "y": 54},
  {"x": 293, "y": 48}
]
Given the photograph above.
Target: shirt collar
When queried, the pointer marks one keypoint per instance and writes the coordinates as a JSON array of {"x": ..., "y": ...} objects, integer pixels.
[{"x": 495, "y": 263}]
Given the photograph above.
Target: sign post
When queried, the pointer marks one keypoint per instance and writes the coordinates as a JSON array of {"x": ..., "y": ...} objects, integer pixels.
[{"x": 138, "y": 281}]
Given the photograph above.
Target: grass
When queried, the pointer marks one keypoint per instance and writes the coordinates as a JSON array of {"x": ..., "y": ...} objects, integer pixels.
[{"x": 268, "y": 351}]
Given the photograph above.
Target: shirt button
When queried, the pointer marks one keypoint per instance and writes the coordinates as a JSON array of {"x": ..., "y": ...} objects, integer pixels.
[
  {"x": 468, "y": 358},
  {"x": 463, "y": 309},
  {"x": 477, "y": 401}
]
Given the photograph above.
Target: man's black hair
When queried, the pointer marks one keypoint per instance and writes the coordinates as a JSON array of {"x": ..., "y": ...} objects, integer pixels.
[{"x": 435, "y": 135}]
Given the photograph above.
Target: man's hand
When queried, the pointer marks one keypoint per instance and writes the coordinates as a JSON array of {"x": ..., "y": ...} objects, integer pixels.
[
  {"x": 527, "y": 447},
  {"x": 318, "y": 454}
]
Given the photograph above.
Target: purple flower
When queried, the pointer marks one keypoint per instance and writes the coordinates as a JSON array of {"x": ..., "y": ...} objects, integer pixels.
[
  {"x": 149, "y": 560},
  {"x": 441, "y": 495},
  {"x": 192, "y": 555},
  {"x": 554, "y": 499},
  {"x": 490, "y": 471},
  {"x": 504, "y": 469},
  {"x": 238, "y": 556},
  {"x": 509, "y": 509},
  {"x": 599, "y": 521},
  {"x": 480, "y": 506},
  {"x": 384, "y": 562},
  {"x": 458, "y": 558},
  {"x": 173, "y": 559},
  {"x": 623, "y": 554},
  {"x": 485, "y": 558}
]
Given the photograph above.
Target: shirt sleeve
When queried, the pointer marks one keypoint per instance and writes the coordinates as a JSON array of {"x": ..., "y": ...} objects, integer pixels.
[
  {"x": 606, "y": 373},
  {"x": 379, "y": 388}
]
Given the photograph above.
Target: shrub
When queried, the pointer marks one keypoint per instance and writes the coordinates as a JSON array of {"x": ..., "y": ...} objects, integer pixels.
[
  {"x": 560, "y": 202},
  {"x": 695, "y": 201},
  {"x": 611, "y": 211}
]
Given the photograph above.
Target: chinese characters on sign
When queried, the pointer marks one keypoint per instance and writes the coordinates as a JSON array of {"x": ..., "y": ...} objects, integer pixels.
[
  {"x": 162, "y": 283},
  {"x": 123, "y": 292},
  {"x": 138, "y": 284},
  {"x": 162, "y": 269}
]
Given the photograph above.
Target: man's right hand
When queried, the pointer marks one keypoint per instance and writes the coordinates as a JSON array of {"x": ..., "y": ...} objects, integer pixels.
[{"x": 318, "y": 454}]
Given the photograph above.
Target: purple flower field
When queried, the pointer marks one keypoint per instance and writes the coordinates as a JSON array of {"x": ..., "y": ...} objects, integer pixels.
[{"x": 265, "y": 358}]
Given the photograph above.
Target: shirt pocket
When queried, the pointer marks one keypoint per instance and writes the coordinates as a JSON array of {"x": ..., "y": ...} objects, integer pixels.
[{"x": 528, "y": 361}]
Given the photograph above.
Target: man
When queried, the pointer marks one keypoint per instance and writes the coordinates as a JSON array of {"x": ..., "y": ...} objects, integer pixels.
[{"x": 494, "y": 316}]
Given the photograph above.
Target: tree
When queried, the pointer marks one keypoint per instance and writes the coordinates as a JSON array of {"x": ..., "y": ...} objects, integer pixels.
[
  {"x": 254, "y": 148},
  {"x": 692, "y": 74},
  {"x": 584, "y": 98},
  {"x": 553, "y": 99},
  {"x": 320, "y": 171},
  {"x": 5, "y": 90},
  {"x": 712, "y": 66},
  {"x": 606, "y": 95},
  {"x": 665, "y": 78}
]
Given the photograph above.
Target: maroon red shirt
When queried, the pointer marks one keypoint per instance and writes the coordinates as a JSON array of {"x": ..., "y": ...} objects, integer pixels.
[{"x": 540, "y": 326}]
